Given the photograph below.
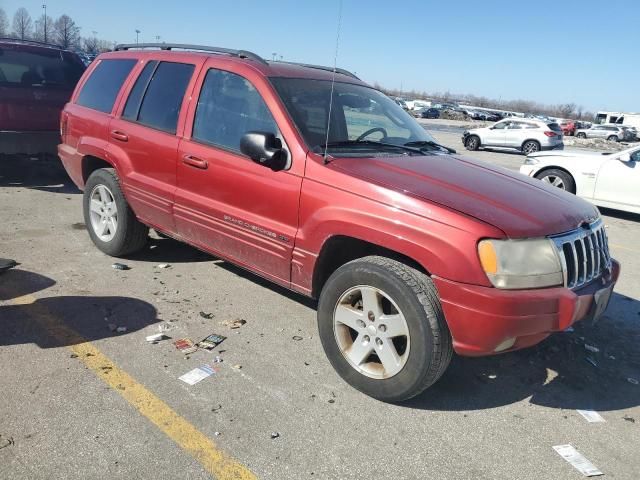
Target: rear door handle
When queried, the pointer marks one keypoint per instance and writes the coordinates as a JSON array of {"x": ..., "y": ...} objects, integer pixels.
[
  {"x": 118, "y": 135},
  {"x": 195, "y": 162}
]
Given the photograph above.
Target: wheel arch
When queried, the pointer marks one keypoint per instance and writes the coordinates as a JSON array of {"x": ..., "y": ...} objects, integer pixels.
[
  {"x": 91, "y": 163},
  {"x": 340, "y": 249}
]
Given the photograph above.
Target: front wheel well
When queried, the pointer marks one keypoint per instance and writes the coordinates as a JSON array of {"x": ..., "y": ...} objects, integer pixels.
[
  {"x": 90, "y": 164},
  {"x": 340, "y": 249}
]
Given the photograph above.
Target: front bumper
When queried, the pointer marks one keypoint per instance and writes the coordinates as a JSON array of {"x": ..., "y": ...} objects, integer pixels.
[{"x": 481, "y": 319}]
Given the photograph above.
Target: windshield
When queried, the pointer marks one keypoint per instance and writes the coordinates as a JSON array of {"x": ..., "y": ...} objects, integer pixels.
[{"x": 361, "y": 117}]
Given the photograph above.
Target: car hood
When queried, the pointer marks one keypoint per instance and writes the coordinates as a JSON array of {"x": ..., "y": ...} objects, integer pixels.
[{"x": 519, "y": 206}]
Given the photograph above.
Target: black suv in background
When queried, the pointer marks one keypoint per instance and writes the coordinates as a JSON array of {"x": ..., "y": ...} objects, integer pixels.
[{"x": 36, "y": 80}]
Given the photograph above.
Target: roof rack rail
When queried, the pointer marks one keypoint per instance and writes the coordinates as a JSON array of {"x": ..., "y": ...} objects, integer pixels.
[
  {"x": 31, "y": 42},
  {"x": 320, "y": 67},
  {"x": 200, "y": 48}
]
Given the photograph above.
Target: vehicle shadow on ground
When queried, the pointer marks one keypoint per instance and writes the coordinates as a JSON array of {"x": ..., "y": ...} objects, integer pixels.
[
  {"x": 37, "y": 173},
  {"x": 59, "y": 321},
  {"x": 557, "y": 373},
  {"x": 633, "y": 217},
  {"x": 168, "y": 250}
]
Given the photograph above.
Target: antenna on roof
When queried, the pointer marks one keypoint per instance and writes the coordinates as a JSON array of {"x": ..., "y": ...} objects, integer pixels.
[{"x": 333, "y": 79}]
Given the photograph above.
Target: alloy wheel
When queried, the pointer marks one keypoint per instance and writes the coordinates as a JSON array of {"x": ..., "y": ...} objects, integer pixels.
[
  {"x": 555, "y": 181},
  {"x": 103, "y": 213},
  {"x": 371, "y": 332}
]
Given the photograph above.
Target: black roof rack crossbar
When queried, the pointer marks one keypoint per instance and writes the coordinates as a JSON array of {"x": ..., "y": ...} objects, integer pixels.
[
  {"x": 31, "y": 42},
  {"x": 200, "y": 48},
  {"x": 320, "y": 67}
]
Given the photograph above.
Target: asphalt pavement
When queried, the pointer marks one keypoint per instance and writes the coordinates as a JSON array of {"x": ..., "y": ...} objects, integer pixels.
[{"x": 82, "y": 401}]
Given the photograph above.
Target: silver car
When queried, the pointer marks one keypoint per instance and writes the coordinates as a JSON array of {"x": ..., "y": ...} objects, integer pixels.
[
  {"x": 609, "y": 132},
  {"x": 526, "y": 135}
]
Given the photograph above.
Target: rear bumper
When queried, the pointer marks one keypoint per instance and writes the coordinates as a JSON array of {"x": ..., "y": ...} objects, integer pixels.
[
  {"x": 481, "y": 319},
  {"x": 29, "y": 142}
]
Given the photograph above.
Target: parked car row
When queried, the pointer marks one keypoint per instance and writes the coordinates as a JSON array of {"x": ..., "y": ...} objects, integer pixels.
[
  {"x": 525, "y": 135},
  {"x": 613, "y": 133}
]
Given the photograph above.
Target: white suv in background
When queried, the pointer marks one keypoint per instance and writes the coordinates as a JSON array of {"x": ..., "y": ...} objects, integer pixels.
[{"x": 526, "y": 135}]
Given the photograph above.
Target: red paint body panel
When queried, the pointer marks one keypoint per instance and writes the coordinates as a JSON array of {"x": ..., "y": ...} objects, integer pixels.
[{"x": 433, "y": 209}]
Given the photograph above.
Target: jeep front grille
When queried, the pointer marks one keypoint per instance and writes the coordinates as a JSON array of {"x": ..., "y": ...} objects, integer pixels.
[{"x": 584, "y": 254}]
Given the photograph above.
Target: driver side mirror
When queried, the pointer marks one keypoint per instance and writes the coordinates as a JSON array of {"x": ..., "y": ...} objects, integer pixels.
[
  {"x": 625, "y": 157},
  {"x": 265, "y": 149}
]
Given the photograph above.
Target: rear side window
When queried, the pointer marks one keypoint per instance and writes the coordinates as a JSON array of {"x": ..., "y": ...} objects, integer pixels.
[
  {"x": 49, "y": 68},
  {"x": 162, "y": 98},
  {"x": 229, "y": 106},
  {"x": 135, "y": 97},
  {"x": 555, "y": 127},
  {"x": 101, "y": 88}
]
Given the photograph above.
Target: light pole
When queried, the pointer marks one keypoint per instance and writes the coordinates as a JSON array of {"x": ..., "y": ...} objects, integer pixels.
[
  {"x": 137, "y": 33},
  {"x": 274, "y": 56},
  {"x": 157, "y": 38},
  {"x": 44, "y": 6}
]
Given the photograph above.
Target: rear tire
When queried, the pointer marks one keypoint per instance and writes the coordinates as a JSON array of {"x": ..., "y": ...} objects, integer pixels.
[
  {"x": 581, "y": 135},
  {"x": 105, "y": 204},
  {"x": 530, "y": 146},
  {"x": 472, "y": 143},
  {"x": 558, "y": 178},
  {"x": 391, "y": 362},
  {"x": 613, "y": 138}
]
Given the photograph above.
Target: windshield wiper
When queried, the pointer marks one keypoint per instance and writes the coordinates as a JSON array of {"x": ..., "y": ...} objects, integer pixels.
[
  {"x": 371, "y": 143},
  {"x": 429, "y": 143}
]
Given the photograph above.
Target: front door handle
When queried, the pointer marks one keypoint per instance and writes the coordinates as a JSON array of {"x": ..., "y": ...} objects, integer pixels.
[
  {"x": 118, "y": 135},
  {"x": 195, "y": 162}
]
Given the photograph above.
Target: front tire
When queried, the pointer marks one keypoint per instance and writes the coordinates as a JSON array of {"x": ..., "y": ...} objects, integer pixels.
[
  {"x": 382, "y": 327},
  {"x": 472, "y": 143},
  {"x": 581, "y": 135},
  {"x": 558, "y": 178},
  {"x": 112, "y": 225}
]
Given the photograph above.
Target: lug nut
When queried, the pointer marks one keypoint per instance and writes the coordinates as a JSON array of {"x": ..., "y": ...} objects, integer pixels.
[
  {"x": 371, "y": 316},
  {"x": 360, "y": 323},
  {"x": 365, "y": 339},
  {"x": 382, "y": 328},
  {"x": 379, "y": 342}
]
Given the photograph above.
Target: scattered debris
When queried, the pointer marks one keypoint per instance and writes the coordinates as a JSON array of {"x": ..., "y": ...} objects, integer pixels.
[
  {"x": 611, "y": 357},
  {"x": 197, "y": 374},
  {"x": 6, "y": 441},
  {"x": 165, "y": 327},
  {"x": 591, "y": 348},
  {"x": 185, "y": 345},
  {"x": 121, "y": 329},
  {"x": 120, "y": 266},
  {"x": 212, "y": 341},
  {"x": 492, "y": 376},
  {"x": 237, "y": 367},
  {"x": 155, "y": 338},
  {"x": 216, "y": 409},
  {"x": 578, "y": 461},
  {"x": 208, "y": 316},
  {"x": 78, "y": 226},
  {"x": 274, "y": 435},
  {"x": 112, "y": 327},
  {"x": 591, "y": 416},
  {"x": 73, "y": 355},
  {"x": 164, "y": 265},
  {"x": 331, "y": 400},
  {"x": 632, "y": 380},
  {"x": 235, "y": 323},
  {"x": 217, "y": 434},
  {"x": 629, "y": 419},
  {"x": 297, "y": 338},
  {"x": 7, "y": 264},
  {"x": 218, "y": 359},
  {"x": 591, "y": 361}
]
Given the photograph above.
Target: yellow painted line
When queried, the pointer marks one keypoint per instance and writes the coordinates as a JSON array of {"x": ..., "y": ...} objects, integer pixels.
[
  {"x": 624, "y": 248},
  {"x": 183, "y": 433}
]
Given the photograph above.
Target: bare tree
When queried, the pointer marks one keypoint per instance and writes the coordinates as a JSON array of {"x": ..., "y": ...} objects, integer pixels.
[
  {"x": 44, "y": 29},
  {"x": 4, "y": 24},
  {"x": 90, "y": 45},
  {"x": 67, "y": 33},
  {"x": 22, "y": 24}
]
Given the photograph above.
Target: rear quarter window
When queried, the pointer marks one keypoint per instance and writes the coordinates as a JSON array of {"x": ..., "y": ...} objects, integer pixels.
[
  {"x": 100, "y": 90},
  {"x": 49, "y": 68},
  {"x": 555, "y": 127}
]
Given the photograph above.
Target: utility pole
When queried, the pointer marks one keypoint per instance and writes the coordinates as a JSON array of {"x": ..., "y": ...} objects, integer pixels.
[
  {"x": 273, "y": 55},
  {"x": 137, "y": 33},
  {"x": 157, "y": 38},
  {"x": 44, "y": 6}
]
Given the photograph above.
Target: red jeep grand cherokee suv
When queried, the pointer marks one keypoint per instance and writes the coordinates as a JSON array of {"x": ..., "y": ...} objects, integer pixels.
[
  {"x": 36, "y": 80},
  {"x": 413, "y": 252}
]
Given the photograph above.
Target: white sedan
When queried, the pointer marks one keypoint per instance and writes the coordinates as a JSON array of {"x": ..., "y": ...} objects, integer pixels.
[{"x": 610, "y": 180}]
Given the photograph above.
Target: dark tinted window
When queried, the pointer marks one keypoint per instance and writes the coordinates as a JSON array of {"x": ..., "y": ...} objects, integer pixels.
[
  {"x": 135, "y": 97},
  {"x": 46, "y": 68},
  {"x": 555, "y": 127},
  {"x": 163, "y": 98},
  {"x": 101, "y": 88},
  {"x": 229, "y": 106}
]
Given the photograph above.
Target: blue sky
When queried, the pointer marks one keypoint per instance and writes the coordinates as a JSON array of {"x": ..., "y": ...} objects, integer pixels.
[{"x": 550, "y": 52}]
